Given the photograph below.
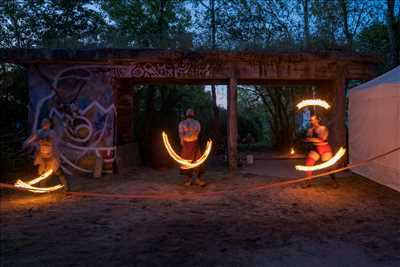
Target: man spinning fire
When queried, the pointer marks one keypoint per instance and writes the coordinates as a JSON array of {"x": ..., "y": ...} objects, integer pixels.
[
  {"x": 318, "y": 136},
  {"x": 189, "y": 130},
  {"x": 46, "y": 156}
]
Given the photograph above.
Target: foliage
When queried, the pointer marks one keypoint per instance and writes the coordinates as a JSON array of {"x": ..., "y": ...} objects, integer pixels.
[
  {"x": 146, "y": 23},
  {"x": 13, "y": 98},
  {"x": 252, "y": 116},
  {"x": 45, "y": 23}
]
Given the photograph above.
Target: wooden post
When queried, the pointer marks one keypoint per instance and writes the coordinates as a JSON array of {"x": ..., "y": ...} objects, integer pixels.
[
  {"x": 338, "y": 131},
  {"x": 125, "y": 113},
  {"x": 124, "y": 125},
  {"x": 232, "y": 125}
]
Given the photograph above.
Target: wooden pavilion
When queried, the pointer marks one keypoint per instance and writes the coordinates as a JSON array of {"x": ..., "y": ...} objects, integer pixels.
[{"x": 95, "y": 82}]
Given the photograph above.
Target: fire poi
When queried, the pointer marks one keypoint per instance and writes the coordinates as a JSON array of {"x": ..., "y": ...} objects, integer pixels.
[
  {"x": 187, "y": 164},
  {"x": 29, "y": 185},
  {"x": 313, "y": 102},
  {"x": 325, "y": 164}
]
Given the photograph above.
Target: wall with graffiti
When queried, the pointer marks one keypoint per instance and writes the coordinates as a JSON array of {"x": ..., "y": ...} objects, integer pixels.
[{"x": 79, "y": 102}]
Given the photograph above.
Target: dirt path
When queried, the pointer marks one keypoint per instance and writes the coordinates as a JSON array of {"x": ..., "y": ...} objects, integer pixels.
[{"x": 357, "y": 224}]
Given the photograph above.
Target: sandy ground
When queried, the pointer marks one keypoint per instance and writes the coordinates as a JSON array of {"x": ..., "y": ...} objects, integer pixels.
[{"x": 357, "y": 224}]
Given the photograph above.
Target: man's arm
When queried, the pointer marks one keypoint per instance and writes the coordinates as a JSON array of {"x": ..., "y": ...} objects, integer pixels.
[
  {"x": 31, "y": 139},
  {"x": 198, "y": 128},
  {"x": 181, "y": 132},
  {"x": 322, "y": 136},
  {"x": 310, "y": 132},
  {"x": 55, "y": 139}
]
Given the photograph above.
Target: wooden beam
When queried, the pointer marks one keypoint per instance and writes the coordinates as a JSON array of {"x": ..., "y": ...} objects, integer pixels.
[
  {"x": 232, "y": 125},
  {"x": 338, "y": 131},
  {"x": 202, "y": 65},
  {"x": 124, "y": 105}
]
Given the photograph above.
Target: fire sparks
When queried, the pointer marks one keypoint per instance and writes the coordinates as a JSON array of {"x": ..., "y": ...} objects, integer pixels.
[
  {"x": 313, "y": 102},
  {"x": 186, "y": 164},
  {"x": 324, "y": 165},
  {"x": 29, "y": 185}
]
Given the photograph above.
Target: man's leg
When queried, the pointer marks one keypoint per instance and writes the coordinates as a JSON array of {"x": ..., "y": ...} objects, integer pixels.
[
  {"x": 312, "y": 158},
  {"x": 333, "y": 177},
  {"x": 199, "y": 179},
  {"x": 327, "y": 155},
  {"x": 61, "y": 176},
  {"x": 42, "y": 168},
  {"x": 188, "y": 174}
]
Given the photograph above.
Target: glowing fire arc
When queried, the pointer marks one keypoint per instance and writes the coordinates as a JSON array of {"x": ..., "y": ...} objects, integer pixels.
[
  {"x": 186, "y": 164},
  {"x": 29, "y": 185},
  {"x": 324, "y": 165},
  {"x": 313, "y": 102}
]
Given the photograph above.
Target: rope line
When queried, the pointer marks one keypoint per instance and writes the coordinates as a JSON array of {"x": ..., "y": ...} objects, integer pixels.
[{"x": 191, "y": 195}]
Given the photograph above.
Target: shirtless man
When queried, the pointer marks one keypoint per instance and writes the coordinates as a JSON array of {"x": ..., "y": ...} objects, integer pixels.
[
  {"x": 318, "y": 136},
  {"x": 189, "y": 130}
]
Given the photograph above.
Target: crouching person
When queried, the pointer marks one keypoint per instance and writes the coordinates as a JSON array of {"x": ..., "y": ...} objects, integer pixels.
[
  {"x": 46, "y": 155},
  {"x": 318, "y": 136}
]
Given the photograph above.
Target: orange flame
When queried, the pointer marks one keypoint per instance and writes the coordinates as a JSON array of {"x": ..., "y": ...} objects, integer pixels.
[
  {"x": 324, "y": 165},
  {"x": 186, "y": 164},
  {"x": 313, "y": 102},
  {"x": 292, "y": 151},
  {"x": 29, "y": 185}
]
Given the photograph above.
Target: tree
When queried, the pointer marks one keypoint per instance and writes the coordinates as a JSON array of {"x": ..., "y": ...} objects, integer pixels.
[
  {"x": 278, "y": 105},
  {"x": 306, "y": 23},
  {"x": 211, "y": 12},
  {"x": 146, "y": 23},
  {"x": 392, "y": 29},
  {"x": 17, "y": 24},
  {"x": 345, "y": 16},
  {"x": 64, "y": 24}
]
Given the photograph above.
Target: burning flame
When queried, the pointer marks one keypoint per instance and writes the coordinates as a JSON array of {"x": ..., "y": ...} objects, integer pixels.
[
  {"x": 29, "y": 185},
  {"x": 313, "y": 102},
  {"x": 324, "y": 165},
  {"x": 292, "y": 151},
  {"x": 186, "y": 164}
]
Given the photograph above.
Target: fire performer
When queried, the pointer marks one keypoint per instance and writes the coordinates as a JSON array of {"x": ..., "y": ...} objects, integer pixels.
[
  {"x": 189, "y": 130},
  {"x": 318, "y": 136},
  {"x": 46, "y": 155}
]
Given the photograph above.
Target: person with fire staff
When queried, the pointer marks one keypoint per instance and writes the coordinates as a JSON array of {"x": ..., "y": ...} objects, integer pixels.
[
  {"x": 46, "y": 155},
  {"x": 189, "y": 130},
  {"x": 318, "y": 136}
]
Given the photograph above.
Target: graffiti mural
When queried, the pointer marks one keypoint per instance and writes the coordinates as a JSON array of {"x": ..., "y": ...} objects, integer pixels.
[{"x": 80, "y": 102}]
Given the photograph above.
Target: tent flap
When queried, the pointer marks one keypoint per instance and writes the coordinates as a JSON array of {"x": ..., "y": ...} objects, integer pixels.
[{"x": 374, "y": 128}]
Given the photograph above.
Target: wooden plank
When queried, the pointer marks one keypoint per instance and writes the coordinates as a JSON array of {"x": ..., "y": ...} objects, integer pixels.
[
  {"x": 158, "y": 64},
  {"x": 338, "y": 131},
  {"x": 124, "y": 104},
  {"x": 98, "y": 167},
  {"x": 232, "y": 125}
]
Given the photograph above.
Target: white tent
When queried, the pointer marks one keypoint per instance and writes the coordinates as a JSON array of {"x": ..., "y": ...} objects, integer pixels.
[{"x": 374, "y": 127}]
